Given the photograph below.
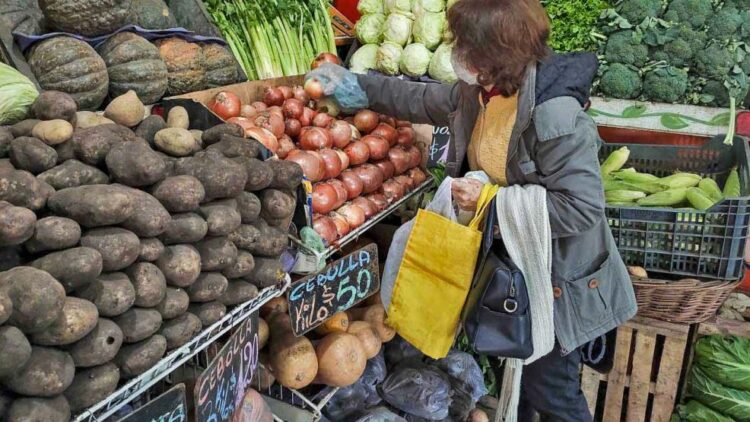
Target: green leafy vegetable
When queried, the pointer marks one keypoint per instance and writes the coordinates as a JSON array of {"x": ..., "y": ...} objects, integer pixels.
[
  {"x": 728, "y": 401},
  {"x": 364, "y": 59},
  {"x": 725, "y": 359},
  {"x": 366, "y": 7},
  {"x": 694, "y": 411},
  {"x": 415, "y": 60},
  {"x": 422, "y": 6},
  {"x": 17, "y": 93},
  {"x": 397, "y": 6},
  {"x": 573, "y": 23},
  {"x": 397, "y": 28},
  {"x": 429, "y": 29},
  {"x": 388, "y": 58},
  {"x": 369, "y": 28},
  {"x": 441, "y": 68}
]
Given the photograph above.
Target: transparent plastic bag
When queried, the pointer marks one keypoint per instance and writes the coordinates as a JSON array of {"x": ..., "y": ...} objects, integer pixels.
[
  {"x": 419, "y": 390},
  {"x": 342, "y": 84}
]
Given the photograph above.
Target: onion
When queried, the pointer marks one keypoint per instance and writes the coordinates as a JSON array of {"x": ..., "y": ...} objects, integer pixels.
[
  {"x": 325, "y": 227},
  {"x": 312, "y": 166},
  {"x": 342, "y": 226},
  {"x": 366, "y": 120},
  {"x": 276, "y": 111},
  {"x": 248, "y": 111},
  {"x": 378, "y": 146},
  {"x": 314, "y": 88},
  {"x": 328, "y": 106},
  {"x": 380, "y": 201},
  {"x": 341, "y": 133},
  {"x": 402, "y": 123},
  {"x": 312, "y": 138},
  {"x": 358, "y": 153},
  {"x": 285, "y": 146},
  {"x": 344, "y": 159},
  {"x": 400, "y": 159},
  {"x": 353, "y": 214},
  {"x": 387, "y": 167},
  {"x": 405, "y": 136},
  {"x": 322, "y": 120},
  {"x": 371, "y": 176},
  {"x": 415, "y": 156},
  {"x": 390, "y": 121},
  {"x": 307, "y": 116},
  {"x": 417, "y": 175},
  {"x": 352, "y": 182},
  {"x": 226, "y": 105},
  {"x": 271, "y": 121},
  {"x": 286, "y": 92},
  {"x": 300, "y": 94},
  {"x": 242, "y": 122},
  {"x": 273, "y": 96},
  {"x": 324, "y": 198},
  {"x": 341, "y": 193},
  {"x": 325, "y": 57},
  {"x": 393, "y": 191},
  {"x": 405, "y": 181},
  {"x": 259, "y": 106},
  {"x": 356, "y": 136},
  {"x": 367, "y": 206},
  {"x": 386, "y": 132},
  {"x": 292, "y": 127},
  {"x": 292, "y": 108},
  {"x": 332, "y": 162},
  {"x": 264, "y": 136}
]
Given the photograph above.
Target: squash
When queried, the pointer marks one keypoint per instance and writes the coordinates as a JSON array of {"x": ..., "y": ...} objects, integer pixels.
[
  {"x": 375, "y": 315},
  {"x": 252, "y": 409},
  {"x": 152, "y": 14},
  {"x": 341, "y": 360},
  {"x": 86, "y": 17},
  {"x": 366, "y": 334},
  {"x": 263, "y": 333},
  {"x": 133, "y": 63},
  {"x": 292, "y": 359},
  {"x": 337, "y": 323},
  {"x": 221, "y": 68},
  {"x": 70, "y": 65},
  {"x": 276, "y": 305},
  {"x": 185, "y": 63}
]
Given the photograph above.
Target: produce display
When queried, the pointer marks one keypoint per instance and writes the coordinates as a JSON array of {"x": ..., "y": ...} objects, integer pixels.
[{"x": 17, "y": 94}]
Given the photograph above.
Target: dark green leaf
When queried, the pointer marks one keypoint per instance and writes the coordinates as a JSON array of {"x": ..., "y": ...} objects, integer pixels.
[
  {"x": 673, "y": 121},
  {"x": 634, "y": 111},
  {"x": 729, "y": 401},
  {"x": 721, "y": 119}
]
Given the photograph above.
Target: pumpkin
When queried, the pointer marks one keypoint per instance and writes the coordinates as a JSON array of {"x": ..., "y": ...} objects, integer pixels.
[
  {"x": 221, "y": 69},
  {"x": 70, "y": 65},
  {"x": 133, "y": 63},
  {"x": 185, "y": 63},
  {"x": 86, "y": 17},
  {"x": 152, "y": 14}
]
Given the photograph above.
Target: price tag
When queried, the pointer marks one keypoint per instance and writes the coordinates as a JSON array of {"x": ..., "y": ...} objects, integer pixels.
[
  {"x": 169, "y": 407},
  {"x": 438, "y": 152},
  {"x": 338, "y": 287}
]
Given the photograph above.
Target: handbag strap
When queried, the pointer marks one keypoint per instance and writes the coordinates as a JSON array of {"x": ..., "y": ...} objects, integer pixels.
[{"x": 483, "y": 204}]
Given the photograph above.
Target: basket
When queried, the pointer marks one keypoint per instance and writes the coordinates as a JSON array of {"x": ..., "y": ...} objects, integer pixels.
[
  {"x": 685, "y": 241},
  {"x": 686, "y": 301}
]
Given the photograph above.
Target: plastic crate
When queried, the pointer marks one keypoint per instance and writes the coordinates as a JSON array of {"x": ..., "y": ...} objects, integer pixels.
[{"x": 685, "y": 241}]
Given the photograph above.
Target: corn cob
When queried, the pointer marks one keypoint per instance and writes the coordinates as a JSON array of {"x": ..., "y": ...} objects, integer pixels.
[
  {"x": 732, "y": 185},
  {"x": 623, "y": 195},
  {"x": 681, "y": 180},
  {"x": 615, "y": 161},
  {"x": 635, "y": 177},
  {"x": 699, "y": 199},
  {"x": 623, "y": 204},
  {"x": 610, "y": 185},
  {"x": 667, "y": 198},
  {"x": 711, "y": 189}
]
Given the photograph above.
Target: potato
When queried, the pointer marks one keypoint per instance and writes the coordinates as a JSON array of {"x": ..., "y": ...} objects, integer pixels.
[
  {"x": 53, "y": 233},
  {"x": 271, "y": 242},
  {"x": 65, "y": 151},
  {"x": 40, "y": 409},
  {"x": 135, "y": 164},
  {"x": 149, "y": 126},
  {"x": 47, "y": 373},
  {"x": 5, "y": 401},
  {"x": 73, "y": 173},
  {"x": 184, "y": 228},
  {"x": 267, "y": 272},
  {"x": 236, "y": 146},
  {"x": 10, "y": 256},
  {"x": 221, "y": 219},
  {"x": 24, "y": 127},
  {"x": 135, "y": 359},
  {"x": 249, "y": 207},
  {"x": 138, "y": 324},
  {"x": 220, "y": 176},
  {"x": 92, "y": 145},
  {"x": 50, "y": 105},
  {"x": 237, "y": 292},
  {"x": 149, "y": 284},
  {"x": 208, "y": 312},
  {"x": 93, "y": 205},
  {"x": 53, "y": 132},
  {"x": 208, "y": 287},
  {"x": 5, "y": 165},
  {"x": 177, "y": 117},
  {"x": 119, "y": 247},
  {"x": 176, "y": 142},
  {"x": 180, "y": 330},
  {"x": 16, "y": 350},
  {"x": 198, "y": 136},
  {"x": 175, "y": 303},
  {"x": 276, "y": 204},
  {"x": 242, "y": 267},
  {"x": 37, "y": 298},
  {"x": 99, "y": 346},
  {"x": 6, "y": 307},
  {"x": 112, "y": 293},
  {"x": 149, "y": 218},
  {"x": 32, "y": 155},
  {"x": 74, "y": 268},
  {"x": 246, "y": 236},
  {"x": 213, "y": 135},
  {"x": 5, "y": 137},
  {"x": 16, "y": 224},
  {"x": 126, "y": 110},
  {"x": 286, "y": 174},
  {"x": 22, "y": 189},
  {"x": 216, "y": 253},
  {"x": 179, "y": 193},
  {"x": 77, "y": 319},
  {"x": 151, "y": 249},
  {"x": 92, "y": 385},
  {"x": 180, "y": 264},
  {"x": 259, "y": 175},
  {"x": 87, "y": 119}
]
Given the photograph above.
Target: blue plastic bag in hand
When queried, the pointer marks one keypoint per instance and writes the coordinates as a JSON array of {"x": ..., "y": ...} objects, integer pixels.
[
  {"x": 342, "y": 85},
  {"x": 418, "y": 390}
]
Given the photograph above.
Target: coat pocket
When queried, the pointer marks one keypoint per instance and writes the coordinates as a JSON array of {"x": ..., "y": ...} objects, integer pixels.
[{"x": 590, "y": 296}]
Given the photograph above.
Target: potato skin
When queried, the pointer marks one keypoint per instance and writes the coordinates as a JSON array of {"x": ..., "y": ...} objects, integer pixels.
[
  {"x": 178, "y": 117},
  {"x": 6, "y": 307},
  {"x": 149, "y": 218},
  {"x": 26, "y": 409},
  {"x": 53, "y": 132},
  {"x": 47, "y": 373},
  {"x": 16, "y": 350},
  {"x": 176, "y": 142},
  {"x": 220, "y": 176},
  {"x": 138, "y": 324},
  {"x": 179, "y": 193},
  {"x": 286, "y": 174},
  {"x": 184, "y": 228},
  {"x": 245, "y": 236},
  {"x": 238, "y": 291},
  {"x": 91, "y": 145},
  {"x": 216, "y": 253},
  {"x": 77, "y": 319},
  {"x": 112, "y": 293},
  {"x": 208, "y": 287},
  {"x": 151, "y": 249},
  {"x": 180, "y": 264},
  {"x": 242, "y": 267},
  {"x": 149, "y": 126},
  {"x": 271, "y": 242},
  {"x": 180, "y": 330},
  {"x": 267, "y": 272},
  {"x": 232, "y": 146},
  {"x": 5, "y": 401},
  {"x": 16, "y": 224},
  {"x": 213, "y": 135},
  {"x": 99, "y": 346},
  {"x": 37, "y": 298},
  {"x": 23, "y": 128},
  {"x": 32, "y": 155},
  {"x": 93, "y": 205},
  {"x": 50, "y": 105},
  {"x": 135, "y": 359},
  {"x": 22, "y": 189},
  {"x": 5, "y": 137},
  {"x": 119, "y": 247},
  {"x": 248, "y": 204},
  {"x": 52, "y": 234},
  {"x": 92, "y": 385},
  {"x": 175, "y": 303},
  {"x": 276, "y": 204},
  {"x": 73, "y": 268},
  {"x": 72, "y": 173},
  {"x": 149, "y": 284},
  {"x": 135, "y": 164},
  {"x": 221, "y": 219},
  {"x": 208, "y": 312}
]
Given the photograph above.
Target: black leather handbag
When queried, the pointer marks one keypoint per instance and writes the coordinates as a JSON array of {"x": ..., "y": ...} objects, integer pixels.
[{"x": 496, "y": 317}]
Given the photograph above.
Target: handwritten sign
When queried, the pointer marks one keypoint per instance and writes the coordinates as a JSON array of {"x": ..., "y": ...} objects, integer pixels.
[
  {"x": 169, "y": 407},
  {"x": 339, "y": 286},
  {"x": 221, "y": 387},
  {"x": 438, "y": 152}
]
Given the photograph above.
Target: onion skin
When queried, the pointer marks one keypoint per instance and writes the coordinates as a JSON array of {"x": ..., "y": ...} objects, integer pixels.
[
  {"x": 292, "y": 108},
  {"x": 367, "y": 206},
  {"x": 271, "y": 122},
  {"x": 341, "y": 192},
  {"x": 242, "y": 122},
  {"x": 342, "y": 226},
  {"x": 415, "y": 156},
  {"x": 264, "y": 136},
  {"x": 405, "y": 136},
  {"x": 324, "y": 198},
  {"x": 341, "y": 133},
  {"x": 393, "y": 190},
  {"x": 322, "y": 120},
  {"x": 312, "y": 166},
  {"x": 402, "y": 123},
  {"x": 329, "y": 106},
  {"x": 387, "y": 167},
  {"x": 371, "y": 176},
  {"x": 307, "y": 116},
  {"x": 344, "y": 159},
  {"x": 300, "y": 94},
  {"x": 325, "y": 57},
  {"x": 276, "y": 110},
  {"x": 417, "y": 175},
  {"x": 332, "y": 162},
  {"x": 314, "y": 138},
  {"x": 326, "y": 228},
  {"x": 286, "y": 92},
  {"x": 352, "y": 182},
  {"x": 400, "y": 159},
  {"x": 248, "y": 111},
  {"x": 377, "y": 146},
  {"x": 366, "y": 121},
  {"x": 353, "y": 214},
  {"x": 273, "y": 96},
  {"x": 292, "y": 127},
  {"x": 390, "y": 121},
  {"x": 314, "y": 88},
  {"x": 285, "y": 147},
  {"x": 260, "y": 106},
  {"x": 358, "y": 153},
  {"x": 380, "y": 201},
  {"x": 226, "y": 105},
  {"x": 356, "y": 136},
  {"x": 386, "y": 132},
  {"x": 406, "y": 181}
]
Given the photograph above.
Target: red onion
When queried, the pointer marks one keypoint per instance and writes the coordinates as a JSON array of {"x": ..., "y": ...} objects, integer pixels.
[
  {"x": 387, "y": 167},
  {"x": 417, "y": 175},
  {"x": 292, "y": 108},
  {"x": 332, "y": 162},
  {"x": 353, "y": 214},
  {"x": 415, "y": 156},
  {"x": 380, "y": 201},
  {"x": 307, "y": 116},
  {"x": 386, "y": 132},
  {"x": 371, "y": 176},
  {"x": 341, "y": 193},
  {"x": 273, "y": 96},
  {"x": 276, "y": 111},
  {"x": 406, "y": 181},
  {"x": 259, "y": 106},
  {"x": 313, "y": 138},
  {"x": 326, "y": 228},
  {"x": 322, "y": 120},
  {"x": 328, "y": 106},
  {"x": 390, "y": 121},
  {"x": 270, "y": 121},
  {"x": 242, "y": 122},
  {"x": 352, "y": 182},
  {"x": 312, "y": 166},
  {"x": 263, "y": 136},
  {"x": 292, "y": 127},
  {"x": 377, "y": 146},
  {"x": 366, "y": 120},
  {"x": 285, "y": 147},
  {"x": 324, "y": 198},
  {"x": 358, "y": 153},
  {"x": 393, "y": 190},
  {"x": 248, "y": 111},
  {"x": 400, "y": 159},
  {"x": 344, "y": 159},
  {"x": 314, "y": 88},
  {"x": 342, "y": 226},
  {"x": 405, "y": 136},
  {"x": 300, "y": 94},
  {"x": 341, "y": 133},
  {"x": 356, "y": 136},
  {"x": 325, "y": 57},
  {"x": 402, "y": 123},
  {"x": 286, "y": 92},
  {"x": 367, "y": 206}
]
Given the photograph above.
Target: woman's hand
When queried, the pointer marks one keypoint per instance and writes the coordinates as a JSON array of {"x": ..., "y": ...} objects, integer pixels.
[
  {"x": 466, "y": 192},
  {"x": 341, "y": 85}
]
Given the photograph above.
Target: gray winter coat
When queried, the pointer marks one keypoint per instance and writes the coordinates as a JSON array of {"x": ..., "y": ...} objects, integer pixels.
[{"x": 554, "y": 144}]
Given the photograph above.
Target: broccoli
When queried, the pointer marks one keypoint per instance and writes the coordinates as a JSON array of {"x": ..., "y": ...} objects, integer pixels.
[
  {"x": 745, "y": 64},
  {"x": 693, "y": 12},
  {"x": 718, "y": 90},
  {"x": 635, "y": 11},
  {"x": 622, "y": 48},
  {"x": 677, "y": 53},
  {"x": 621, "y": 81},
  {"x": 738, "y": 4},
  {"x": 714, "y": 61},
  {"x": 666, "y": 84},
  {"x": 724, "y": 23}
]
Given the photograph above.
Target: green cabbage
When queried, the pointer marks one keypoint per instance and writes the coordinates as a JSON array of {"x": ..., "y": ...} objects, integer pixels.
[
  {"x": 388, "y": 57},
  {"x": 397, "y": 6},
  {"x": 369, "y": 28},
  {"x": 441, "y": 68},
  {"x": 728, "y": 401},
  {"x": 366, "y": 7},
  {"x": 364, "y": 58},
  {"x": 415, "y": 60},
  {"x": 397, "y": 28},
  {"x": 425, "y": 6},
  {"x": 694, "y": 411},
  {"x": 17, "y": 93},
  {"x": 429, "y": 28},
  {"x": 725, "y": 359}
]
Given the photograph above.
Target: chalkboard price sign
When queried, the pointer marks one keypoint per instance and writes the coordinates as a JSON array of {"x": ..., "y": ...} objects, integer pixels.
[
  {"x": 438, "y": 152},
  {"x": 338, "y": 287},
  {"x": 169, "y": 407},
  {"x": 220, "y": 389}
]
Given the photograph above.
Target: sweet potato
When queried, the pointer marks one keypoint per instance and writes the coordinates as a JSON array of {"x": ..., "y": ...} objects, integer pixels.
[
  {"x": 74, "y": 268},
  {"x": 5, "y": 165},
  {"x": 221, "y": 219},
  {"x": 119, "y": 247},
  {"x": 217, "y": 253},
  {"x": 53, "y": 233},
  {"x": 138, "y": 324},
  {"x": 87, "y": 119},
  {"x": 249, "y": 207},
  {"x": 53, "y": 132},
  {"x": 220, "y": 176},
  {"x": 92, "y": 385},
  {"x": 341, "y": 360},
  {"x": 135, "y": 359},
  {"x": 149, "y": 126},
  {"x": 92, "y": 145},
  {"x": 178, "y": 117},
  {"x": 6, "y": 307},
  {"x": 73, "y": 173},
  {"x": 112, "y": 293},
  {"x": 77, "y": 319},
  {"x": 135, "y": 164},
  {"x": 286, "y": 174},
  {"x": 24, "y": 127},
  {"x": 237, "y": 292},
  {"x": 22, "y": 189},
  {"x": 151, "y": 249},
  {"x": 208, "y": 312},
  {"x": 213, "y": 135},
  {"x": 184, "y": 228},
  {"x": 179, "y": 193},
  {"x": 236, "y": 146},
  {"x": 93, "y": 205},
  {"x": 149, "y": 284},
  {"x": 26, "y": 409},
  {"x": 242, "y": 267},
  {"x": 37, "y": 298},
  {"x": 180, "y": 330},
  {"x": 180, "y": 264},
  {"x": 32, "y": 155},
  {"x": 175, "y": 303},
  {"x": 51, "y": 105},
  {"x": 16, "y": 224},
  {"x": 16, "y": 350},
  {"x": 99, "y": 346},
  {"x": 126, "y": 109},
  {"x": 176, "y": 142},
  {"x": 267, "y": 272},
  {"x": 149, "y": 218},
  {"x": 47, "y": 373}
]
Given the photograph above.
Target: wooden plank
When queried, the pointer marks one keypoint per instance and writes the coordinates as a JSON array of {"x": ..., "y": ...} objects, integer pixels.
[
  {"x": 656, "y": 326},
  {"x": 668, "y": 378},
  {"x": 640, "y": 378},
  {"x": 590, "y": 380},
  {"x": 617, "y": 376}
]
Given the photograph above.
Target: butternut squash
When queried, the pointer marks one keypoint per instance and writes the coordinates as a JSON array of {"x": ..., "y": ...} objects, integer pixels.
[
  {"x": 292, "y": 359},
  {"x": 341, "y": 360},
  {"x": 375, "y": 315},
  {"x": 262, "y": 333},
  {"x": 338, "y": 323},
  {"x": 367, "y": 336}
]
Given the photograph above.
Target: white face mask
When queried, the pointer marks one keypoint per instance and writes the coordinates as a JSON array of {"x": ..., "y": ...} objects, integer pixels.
[{"x": 462, "y": 72}]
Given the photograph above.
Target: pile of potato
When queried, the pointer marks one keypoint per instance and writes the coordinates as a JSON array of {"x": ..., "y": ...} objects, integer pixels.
[{"x": 120, "y": 238}]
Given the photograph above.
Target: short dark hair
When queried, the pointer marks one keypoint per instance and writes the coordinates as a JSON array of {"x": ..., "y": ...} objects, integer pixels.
[{"x": 499, "y": 39}]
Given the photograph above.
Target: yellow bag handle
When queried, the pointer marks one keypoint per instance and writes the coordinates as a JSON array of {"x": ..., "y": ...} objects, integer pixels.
[{"x": 485, "y": 198}]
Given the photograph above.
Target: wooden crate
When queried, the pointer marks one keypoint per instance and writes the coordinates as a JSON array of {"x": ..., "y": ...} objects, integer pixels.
[{"x": 644, "y": 381}]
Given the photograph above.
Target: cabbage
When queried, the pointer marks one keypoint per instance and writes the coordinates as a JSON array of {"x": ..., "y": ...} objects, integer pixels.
[
  {"x": 728, "y": 401},
  {"x": 397, "y": 28},
  {"x": 17, "y": 93},
  {"x": 397, "y": 6},
  {"x": 366, "y": 7},
  {"x": 429, "y": 28},
  {"x": 369, "y": 28},
  {"x": 388, "y": 57},
  {"x": 441, "y": 68},
  {"x": 363, "y": 59},
  {"x": 694, "y": 411},
  {"x": 415, "y": 60},
  {"x": 725, "y": 359},
  {"x": 423, "y": 6}
]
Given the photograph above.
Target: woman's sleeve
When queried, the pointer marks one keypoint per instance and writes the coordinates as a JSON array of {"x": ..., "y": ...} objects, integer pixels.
[{"x": 413, "y": 101}]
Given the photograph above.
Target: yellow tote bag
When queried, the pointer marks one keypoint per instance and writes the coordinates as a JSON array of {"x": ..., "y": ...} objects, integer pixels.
[{"x": 434, "y": 278}]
